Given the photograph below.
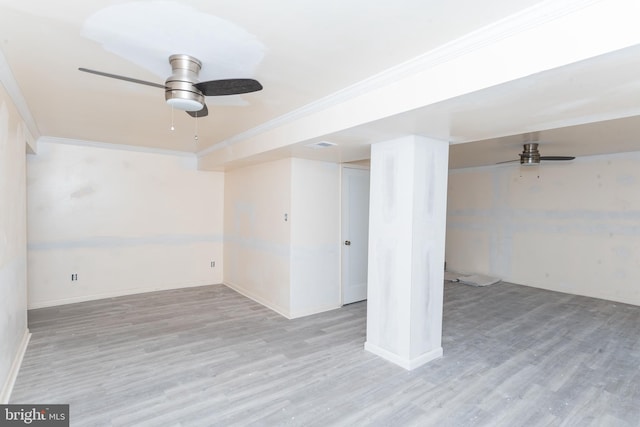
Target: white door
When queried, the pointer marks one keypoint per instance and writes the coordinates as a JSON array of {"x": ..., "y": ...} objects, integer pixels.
[{"x": 355, "y": 234}]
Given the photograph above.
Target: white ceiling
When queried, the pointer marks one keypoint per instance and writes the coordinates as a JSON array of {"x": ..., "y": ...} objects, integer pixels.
[
  {"x": 586, "y": 108},
  {"x": 301, "y": 51}
]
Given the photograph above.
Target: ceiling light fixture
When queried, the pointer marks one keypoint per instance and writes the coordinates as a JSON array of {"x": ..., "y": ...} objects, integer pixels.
[
  {"x": 180, "y": 91},
  {"x": 530, "y": 156}
]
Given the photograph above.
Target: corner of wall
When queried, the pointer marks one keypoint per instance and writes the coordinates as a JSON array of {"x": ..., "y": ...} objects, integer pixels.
[
  {"x": 520, "y": 225},
  {"x": 7, "y": 389},
  {"x": 13, "y": 256}
]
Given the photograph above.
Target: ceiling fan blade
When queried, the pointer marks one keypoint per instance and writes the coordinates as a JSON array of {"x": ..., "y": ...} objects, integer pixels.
[
  {"x": 508, "y": 161},
  {"x": 228, "y": 87},
  {"x": 557, "y": 157},
  {"x": 202, "y": 113},
  {"x": 127, "y": 79}
]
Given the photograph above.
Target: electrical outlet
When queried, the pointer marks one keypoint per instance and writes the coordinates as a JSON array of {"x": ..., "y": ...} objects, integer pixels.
[
  {"x": 213, "y": 264},
  {"x": 74, "y": 277}
]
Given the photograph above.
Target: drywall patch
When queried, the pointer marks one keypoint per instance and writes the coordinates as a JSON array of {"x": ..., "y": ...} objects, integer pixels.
[
  {"x": 147, "y": 33},
  {"x": 83, "y": 192},
  {"x": 622, "y": 252},
  {"x": 626, "y": 180}
]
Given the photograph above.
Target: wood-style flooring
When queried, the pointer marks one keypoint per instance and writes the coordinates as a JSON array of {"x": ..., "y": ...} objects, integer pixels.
[{"x": 513, "y": 356}]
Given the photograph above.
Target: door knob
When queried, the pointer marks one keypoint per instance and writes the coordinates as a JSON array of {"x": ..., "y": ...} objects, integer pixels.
[{"x": 347, "y": 242}]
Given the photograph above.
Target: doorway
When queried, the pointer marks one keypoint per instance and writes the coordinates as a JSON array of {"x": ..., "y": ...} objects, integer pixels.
[{"x": 355, "y": 233}]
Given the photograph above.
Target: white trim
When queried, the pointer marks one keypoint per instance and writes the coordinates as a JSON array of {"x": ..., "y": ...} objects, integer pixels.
[
  {"x": 260, "y": 300},
  {"x": 28, "y": 138},
  {"x": 110, "y": 146},
  {"x": 354, "y": 166},
  {"x": 312, "y": 311},
  {"x": 531, "y": 17},
  {"x": 115, "y": 294},
  {"x": 7, "y": 389},
  {"x": 407, "y": 364}
]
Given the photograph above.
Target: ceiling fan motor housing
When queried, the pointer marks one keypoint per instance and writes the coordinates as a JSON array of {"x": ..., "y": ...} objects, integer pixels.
[
  {"x": 180, "y": 91},
  {"x": 530, "y": 155}
]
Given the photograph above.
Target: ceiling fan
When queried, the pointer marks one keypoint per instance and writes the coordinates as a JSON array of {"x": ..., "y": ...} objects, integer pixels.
[
  {"x": 531, "y": 156},
  {"x": 183, "y": 91}
]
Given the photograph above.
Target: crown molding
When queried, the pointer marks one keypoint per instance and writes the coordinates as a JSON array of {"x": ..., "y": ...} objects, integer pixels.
[
  {"x": 110, "y": 146},
  {"x": 534, "y": 16}
]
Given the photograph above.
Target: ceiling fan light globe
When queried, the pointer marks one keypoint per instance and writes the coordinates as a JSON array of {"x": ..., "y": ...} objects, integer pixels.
[{"x": 185, "y": 104}]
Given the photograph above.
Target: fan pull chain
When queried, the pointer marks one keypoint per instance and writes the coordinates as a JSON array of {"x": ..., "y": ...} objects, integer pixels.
[
  {"x": 195, "y": 138},
  {"x": 172, "y": 127}
]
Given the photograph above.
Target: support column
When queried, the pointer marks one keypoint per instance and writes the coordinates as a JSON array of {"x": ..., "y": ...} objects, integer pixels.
[{"x": 407, "y": 220}]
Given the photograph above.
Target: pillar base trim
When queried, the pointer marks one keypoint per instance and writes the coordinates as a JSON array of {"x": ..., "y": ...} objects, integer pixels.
[{"x": 405, "y": 363}]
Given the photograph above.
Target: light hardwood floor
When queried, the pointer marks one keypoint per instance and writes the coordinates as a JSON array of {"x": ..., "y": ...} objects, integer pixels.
[{"x": 513, "y": 356}]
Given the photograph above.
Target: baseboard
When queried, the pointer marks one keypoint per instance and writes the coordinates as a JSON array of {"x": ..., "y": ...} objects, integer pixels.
[
  {"x": 312, "y": 311},
  {"x": 15, "y": 368},
  {"x": 630, "y": 300},
  {"x": 405, "y": 363},
  {"x": 115, "y": 294},
  {"x": 239, "y": 289}
]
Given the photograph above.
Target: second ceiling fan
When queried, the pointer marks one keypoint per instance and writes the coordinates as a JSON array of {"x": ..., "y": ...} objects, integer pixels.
[
  {"x": 531, "y": 156},
  {"x": 183, "y": 90}
]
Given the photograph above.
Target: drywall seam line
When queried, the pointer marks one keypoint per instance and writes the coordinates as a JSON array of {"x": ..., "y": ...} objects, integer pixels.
[{"x": 119, "y": 242}]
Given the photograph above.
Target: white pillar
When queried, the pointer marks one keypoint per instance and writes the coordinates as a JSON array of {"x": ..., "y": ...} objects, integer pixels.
[{"x": 407, "y": 220}]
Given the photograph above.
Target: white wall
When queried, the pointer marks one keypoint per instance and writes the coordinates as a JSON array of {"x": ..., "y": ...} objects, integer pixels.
[
  {"x": 256, "y": 235},
  {"x": 315, "y": 237},
  {"x": 292, "y": 265},
  {"x": 13, "y": 238},
  {"x": 570, "y": 227},
  {"x": 123, "y": 221}
]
